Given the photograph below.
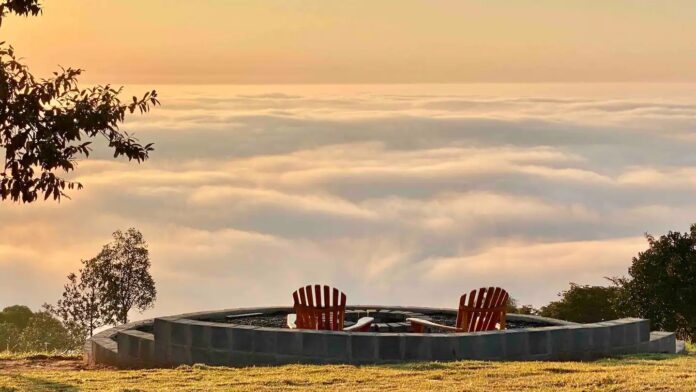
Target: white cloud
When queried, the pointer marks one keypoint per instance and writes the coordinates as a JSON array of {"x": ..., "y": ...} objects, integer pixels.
[{"x": 398, "y": 198}]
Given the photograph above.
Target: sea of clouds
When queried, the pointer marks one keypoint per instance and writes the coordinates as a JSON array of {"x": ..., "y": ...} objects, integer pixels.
[{"x": 395, "y": 194}]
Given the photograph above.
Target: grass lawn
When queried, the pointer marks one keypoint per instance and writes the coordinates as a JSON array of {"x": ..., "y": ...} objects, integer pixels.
[{"x": 630, "y": 373}]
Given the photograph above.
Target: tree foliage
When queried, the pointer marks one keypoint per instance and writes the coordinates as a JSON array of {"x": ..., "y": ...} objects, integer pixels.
[
  {"x": 109, "y": 286},
  {"x": 24, "y": 330},
  {"x": 124, "y": 267},
  {"x": 45, "y": 333},
  {"x": 513, "y": 306},
  {"x": 19, "y": 7},
  {"x": 9, "y": 336},
  {"x": 17, "y": 315},
  {"x": 585, "y": 304},
  {"x": 46, "y": 125},
  {"x": 662, "y": 283},
  {"x": 80, "y": 308}
]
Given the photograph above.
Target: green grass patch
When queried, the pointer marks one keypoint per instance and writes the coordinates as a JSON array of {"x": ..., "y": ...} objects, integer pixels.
[{"x": 642, "y": 372}]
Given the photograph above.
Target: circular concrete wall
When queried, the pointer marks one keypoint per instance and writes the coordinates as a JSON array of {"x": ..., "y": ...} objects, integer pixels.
[{"x": 194, "y": 338}]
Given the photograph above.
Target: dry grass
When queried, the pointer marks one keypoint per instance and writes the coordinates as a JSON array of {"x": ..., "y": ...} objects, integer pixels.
[{"x": 632, "y": 373}]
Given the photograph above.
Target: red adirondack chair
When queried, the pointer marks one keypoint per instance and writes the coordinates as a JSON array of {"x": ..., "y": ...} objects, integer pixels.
[
  {"x": 316, "y": 308},
  {"x": 484, "y": 311}
]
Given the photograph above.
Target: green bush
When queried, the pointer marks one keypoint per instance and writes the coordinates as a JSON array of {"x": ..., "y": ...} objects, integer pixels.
[
  {"x": 662, "y": 283},
  {"x": 22, "y": 330},
  {"x": 585, "y": 304}
]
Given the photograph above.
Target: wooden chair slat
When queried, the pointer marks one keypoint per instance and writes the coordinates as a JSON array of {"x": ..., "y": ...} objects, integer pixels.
[
  {"x": 482, "y": 309},
  {"x": 316, "y": 308},
  {"x": 328, "y": 316},
  {"x": 484, "y": 315},
  {"x": 496, "y": 302},
  {"x": 478, "y": 303}
]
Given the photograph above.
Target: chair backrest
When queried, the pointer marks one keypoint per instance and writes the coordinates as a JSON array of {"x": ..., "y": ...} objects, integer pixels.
[
  {"x": 484, "y": 308},
  {"x": 319, "y": 307}
]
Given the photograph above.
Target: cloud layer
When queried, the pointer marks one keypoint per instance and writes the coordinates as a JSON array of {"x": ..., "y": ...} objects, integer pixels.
[{"x": 397, "y": 195}]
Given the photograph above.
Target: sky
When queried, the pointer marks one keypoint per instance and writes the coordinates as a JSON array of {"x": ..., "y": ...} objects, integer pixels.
[
  {"x": 298, "y": 142},
  {"x": 362, "y": 41}
]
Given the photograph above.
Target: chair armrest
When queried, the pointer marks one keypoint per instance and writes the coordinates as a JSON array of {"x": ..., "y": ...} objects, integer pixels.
[
  {"x": 292, "y": 318},
  {"x": 362, "y": 325},
  {"x": 419, "y": 326}
]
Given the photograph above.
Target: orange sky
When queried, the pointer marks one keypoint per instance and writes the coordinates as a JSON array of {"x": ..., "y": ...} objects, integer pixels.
[
  {"x": 252, "y": 41},
  {"x": 396, "y": 193}
]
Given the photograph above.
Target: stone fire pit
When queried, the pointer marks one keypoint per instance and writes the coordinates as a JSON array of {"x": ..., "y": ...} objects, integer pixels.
[{"x": 258, "y": 336}]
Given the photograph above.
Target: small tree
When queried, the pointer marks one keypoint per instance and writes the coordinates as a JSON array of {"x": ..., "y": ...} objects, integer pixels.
[
  {"x": 80, "y": 308},
  {"x": 109, "y": 286},
  {"x": 662, "y": 283},
  {"x": 585, "y": 304},
  {"x": 124, "y": 267}
]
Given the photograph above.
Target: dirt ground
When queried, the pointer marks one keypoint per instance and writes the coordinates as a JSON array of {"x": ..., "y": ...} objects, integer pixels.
[{"x": 43, "y": 362}]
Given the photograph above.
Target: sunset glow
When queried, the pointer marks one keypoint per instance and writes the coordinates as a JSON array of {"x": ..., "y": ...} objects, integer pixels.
[{"x": 402, "y": 150}]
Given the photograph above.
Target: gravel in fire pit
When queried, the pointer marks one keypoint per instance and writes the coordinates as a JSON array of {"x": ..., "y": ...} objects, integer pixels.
[{"x": 278, "y": 320}]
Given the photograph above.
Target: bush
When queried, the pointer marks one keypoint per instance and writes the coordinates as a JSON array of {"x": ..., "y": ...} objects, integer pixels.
[
  {"x": 585, "y": 304},
  {"x": 514, "y": 307},
  {"x": 17, "y": 315},
  {"x": 22, "y": 330},
  {"x": 45, "y": 333},
  {"x": 662, "y": 283},
  {"x": 9, "y": 337}
]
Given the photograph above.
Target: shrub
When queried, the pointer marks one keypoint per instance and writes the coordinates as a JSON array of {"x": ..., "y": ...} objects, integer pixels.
[
  {"x": 662, "y": 283},
  {"x": 585, "y": 304}
]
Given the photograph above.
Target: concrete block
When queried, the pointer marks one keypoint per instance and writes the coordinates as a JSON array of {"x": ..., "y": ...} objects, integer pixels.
[
  {"x": 219, "y": 358},
  {"x": 241, "y": 358},
  {"x": 539, "y": 342},
  {"x": 181, "y": 335},
  {"x": 560, "y": 342},
  {"x": 467, "y": 347},
  {"x": 443, "y": 347},
  {"x": 200, "y": 335},
  {"x": 180, "y": 355},
  {"x": 338, "y": 346},
  {"x": 664, "y": 342},
  {"x": 363, "y": 347},
  {"x": 265, "y": 341},
  {"x": 122, "y": 343},
  {"x": 625, "y": 350},
  {"x": 489, "y": 345},
  {"x": 644, "y": 330},
  {"x": 617, "y": 335},
  {"x": 313, "y": 344},
  {"x": 263, "y": 359},
  {"x": 631, "y": 334},
  {"x": 581, "y": 339},
  {"x": 417, "y": 347},
  {"x": 241, "y": 337},
  {"x": 601, "y": 339},
  {"x": 288, "y": 342},
  {"x": 516, "y": 344},
  {"x": 219, "y": 338},
  {"x": 162, "y": 332},
  {"x": 147, "y": 350},
  {"x": 644, "y": 347},
  {"x": 133, "y": 346},
  {"x": 200, "y": 355},
  {"x": 389, "y": 347}
]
